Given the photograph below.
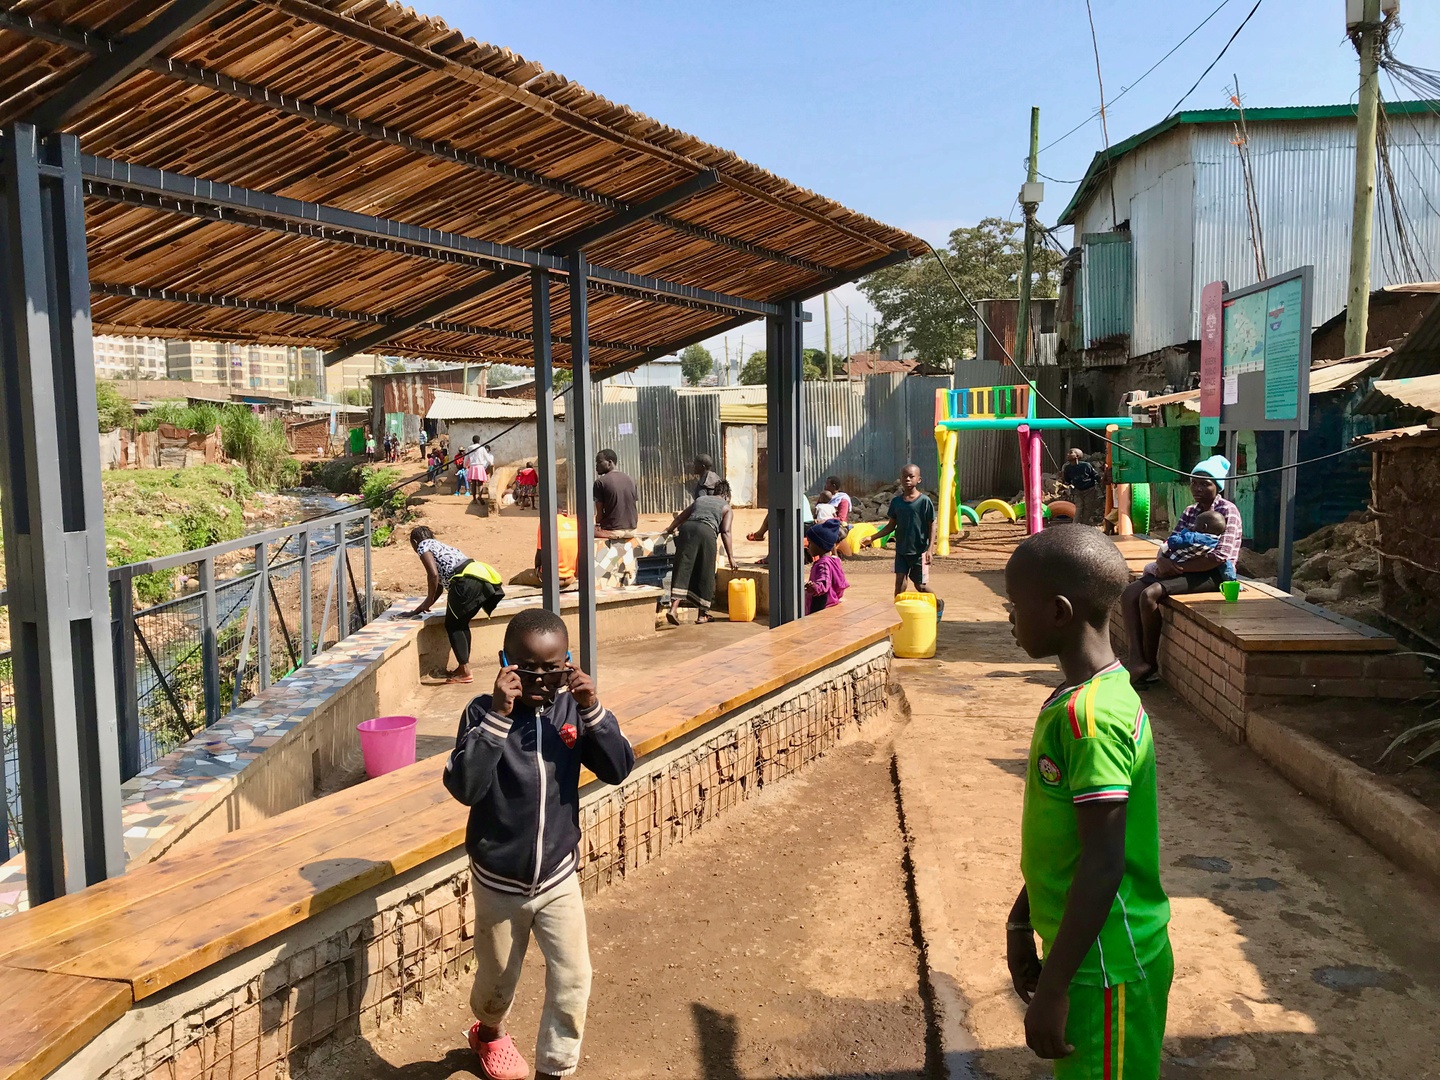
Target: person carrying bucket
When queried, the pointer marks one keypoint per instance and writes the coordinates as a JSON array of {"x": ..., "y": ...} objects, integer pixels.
[{"x": 472, "y": 586}]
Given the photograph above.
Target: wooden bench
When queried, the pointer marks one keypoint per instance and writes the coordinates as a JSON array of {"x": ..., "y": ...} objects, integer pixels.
[
  {"x": 70, "y": 967},
  {"x": 1229, "y": 659}
]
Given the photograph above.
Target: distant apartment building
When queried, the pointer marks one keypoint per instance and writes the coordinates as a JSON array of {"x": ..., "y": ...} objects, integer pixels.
[
  {"x": 306, "y": 363},
  {"x": 258, "y": 369},
  {"x": 118, "y": 357},
  {"x": 351, "y": 374}
]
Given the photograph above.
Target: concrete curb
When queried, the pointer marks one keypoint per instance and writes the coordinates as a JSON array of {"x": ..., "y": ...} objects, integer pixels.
[{"x": 1401, "y": 828}]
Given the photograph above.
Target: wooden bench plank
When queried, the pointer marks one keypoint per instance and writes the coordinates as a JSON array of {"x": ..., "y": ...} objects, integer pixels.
[
  {"x": 48, "y": 1017},
  {"x": 142, "y": 929}
]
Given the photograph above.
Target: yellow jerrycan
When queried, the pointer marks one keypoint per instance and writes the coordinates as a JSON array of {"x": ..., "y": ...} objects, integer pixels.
[
  {"x": 742, "y": 600},
  {"x": 914, "y": 639}
]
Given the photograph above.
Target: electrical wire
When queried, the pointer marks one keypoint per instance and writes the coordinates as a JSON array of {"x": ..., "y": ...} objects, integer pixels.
[
  {"x": 1126, "y": 89},
  {"x": 1063, "y": 415},
  {"x": 1174, "y": 108}
]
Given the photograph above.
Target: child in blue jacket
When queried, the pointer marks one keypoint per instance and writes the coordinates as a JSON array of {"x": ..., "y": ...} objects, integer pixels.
[{"x": 516, "y": 764}]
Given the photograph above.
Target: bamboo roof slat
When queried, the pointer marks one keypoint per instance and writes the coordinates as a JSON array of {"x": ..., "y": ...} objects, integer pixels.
[{"x": 397, "y": 115}]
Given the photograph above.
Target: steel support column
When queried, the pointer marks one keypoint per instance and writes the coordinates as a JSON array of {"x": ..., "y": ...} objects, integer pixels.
[
  {"x": 582, "y": 455},
  {"x": 54, "y": 526},
  {"x": 545, "y": 438},
  {"x": 785, "y": 350}
]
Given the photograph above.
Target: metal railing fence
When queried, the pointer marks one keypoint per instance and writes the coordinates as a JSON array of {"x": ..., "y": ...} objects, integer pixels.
[{"x": 250, "y": 611}]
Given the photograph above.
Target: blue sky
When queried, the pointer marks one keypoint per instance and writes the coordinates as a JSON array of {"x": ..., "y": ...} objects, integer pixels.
[{"x": 917, "y": 113}]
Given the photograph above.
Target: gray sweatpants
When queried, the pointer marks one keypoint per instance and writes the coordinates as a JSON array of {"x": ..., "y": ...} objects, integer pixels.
[{"x": 503, "y": 925}]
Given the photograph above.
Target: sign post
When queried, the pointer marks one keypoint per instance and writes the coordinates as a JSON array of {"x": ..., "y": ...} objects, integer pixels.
[
  {"x": 1264, "y": 371},
  {"x": 1212, "y": 314}
]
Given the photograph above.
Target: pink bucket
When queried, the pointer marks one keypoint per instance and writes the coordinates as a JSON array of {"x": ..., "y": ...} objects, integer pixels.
[{"x": 387, "y": 743}]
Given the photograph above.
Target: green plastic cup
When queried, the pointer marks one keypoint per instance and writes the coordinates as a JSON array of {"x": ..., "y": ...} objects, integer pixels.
[{"x": 1230, "y": 590}]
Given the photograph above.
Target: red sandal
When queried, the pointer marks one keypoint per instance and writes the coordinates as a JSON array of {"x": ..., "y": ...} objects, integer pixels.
[{"x": 499, "y": 1060}]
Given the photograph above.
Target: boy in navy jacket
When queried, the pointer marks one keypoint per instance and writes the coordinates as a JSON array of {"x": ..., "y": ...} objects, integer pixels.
[{"x": 516, "y": 764}]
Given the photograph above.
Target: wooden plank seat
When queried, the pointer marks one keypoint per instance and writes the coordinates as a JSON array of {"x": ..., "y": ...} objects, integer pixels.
[
  {"x": 1264, "y": 619},
  {"x": 89, "y": 955}
]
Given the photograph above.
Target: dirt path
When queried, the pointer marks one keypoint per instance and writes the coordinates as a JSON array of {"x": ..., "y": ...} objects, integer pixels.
[
  {"x": 1300, "y": 952},
  {"x": 777, "y": 943}
]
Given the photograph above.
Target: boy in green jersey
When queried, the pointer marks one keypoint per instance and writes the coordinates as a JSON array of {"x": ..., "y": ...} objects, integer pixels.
[{"x": 1089, "y": 833}]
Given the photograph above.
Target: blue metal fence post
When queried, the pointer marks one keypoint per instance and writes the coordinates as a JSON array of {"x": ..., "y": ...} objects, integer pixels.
[
  {"x": 369, "y": 593},
  {"x": 127, "y": 702},
  {"x": 209, "y": 640},
  {"x": 262, "y": 617},
  {"x": 307, "y": 615},
  {"x": 54, "y": 527},
  {"x": 342, "y": 597}
]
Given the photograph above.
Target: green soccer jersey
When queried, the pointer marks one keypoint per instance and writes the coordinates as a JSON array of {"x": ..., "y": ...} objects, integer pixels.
[{"x": 1092, "y": 743}]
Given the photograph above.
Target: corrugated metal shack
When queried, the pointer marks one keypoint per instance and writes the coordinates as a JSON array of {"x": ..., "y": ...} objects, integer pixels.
[{"x": 1163, "y": 213}]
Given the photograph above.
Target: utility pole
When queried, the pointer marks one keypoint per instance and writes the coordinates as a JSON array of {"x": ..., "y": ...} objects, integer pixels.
[
  {"x": 1030, "y": 196},
  {"x": 1367, "y": 37},
  {"x": 726, "y": 342},
  {"x": 829, "y": 362}
]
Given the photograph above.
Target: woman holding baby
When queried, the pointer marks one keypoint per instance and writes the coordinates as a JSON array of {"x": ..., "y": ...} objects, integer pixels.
[{"x": 1197, "y": 557}]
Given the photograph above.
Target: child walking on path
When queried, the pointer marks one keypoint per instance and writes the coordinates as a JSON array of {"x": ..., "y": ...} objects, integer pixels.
[
  {"x": 516, "y": 764},
  {"x": 1089, "y": 829},
  {"x": 912, "y": 520}
]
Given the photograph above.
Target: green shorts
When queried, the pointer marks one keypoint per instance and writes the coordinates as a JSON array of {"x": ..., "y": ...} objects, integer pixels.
[{"x": 1117, "y": 1030}]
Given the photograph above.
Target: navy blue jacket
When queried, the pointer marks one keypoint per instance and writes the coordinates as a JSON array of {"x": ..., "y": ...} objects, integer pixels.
[{"x": 522, "y": 784}]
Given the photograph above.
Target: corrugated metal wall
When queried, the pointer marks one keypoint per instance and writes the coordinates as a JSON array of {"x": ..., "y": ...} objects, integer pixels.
[
  {"x": 617, "y": 427},
  {"x": 833, "y": 433},
  {"x": 1305, "y": 181},
  {"x": 672, "y": 429},
  {"x": 988, "y": 462},
  {"x": 1109, "y": 298}
]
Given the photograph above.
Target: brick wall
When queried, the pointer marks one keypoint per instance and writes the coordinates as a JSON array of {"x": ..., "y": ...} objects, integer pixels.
[
  {"x": 1224, "y": 683},
  {"x": 286, "y": 1007},
  {"x": 309, "y": 436}
]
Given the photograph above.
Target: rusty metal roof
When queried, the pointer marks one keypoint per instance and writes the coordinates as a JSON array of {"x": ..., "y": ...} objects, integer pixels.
[{"x": 365, "y": 106}]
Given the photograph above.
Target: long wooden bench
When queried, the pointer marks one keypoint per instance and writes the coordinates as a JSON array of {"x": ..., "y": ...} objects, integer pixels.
[
  {"x": 70, "y": 967},
  {"x": 1230, "y": 659}
]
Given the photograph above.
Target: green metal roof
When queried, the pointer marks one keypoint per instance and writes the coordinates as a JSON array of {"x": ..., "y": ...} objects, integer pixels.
[{"x": 1091, "y": 180}]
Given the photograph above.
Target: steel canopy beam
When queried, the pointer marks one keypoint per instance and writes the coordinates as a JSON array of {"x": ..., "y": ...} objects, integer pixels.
[
  {"x": 441, "y": 304},
  {"x": 241, "y": 303},
  {"x": 164, "y": 184},
  {"x": 195, "y": 75},
  {"x": 121, "y": 60}
]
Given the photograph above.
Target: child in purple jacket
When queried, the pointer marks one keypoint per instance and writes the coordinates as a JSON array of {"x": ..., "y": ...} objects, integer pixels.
[{"x": 827, "y": 582}]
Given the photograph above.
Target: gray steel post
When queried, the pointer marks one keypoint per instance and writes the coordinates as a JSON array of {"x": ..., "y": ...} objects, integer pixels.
[
  {"x": 545, "y": 438},
  {"x": 342, "y": 596},
  {"x": 785, "y": 352},
  {"x": 209, "y": 640},
  {"x": 262, "y": 624},
  {"x": 582, "y": 456},
  {"x": 127, "y": 702},
  {"x": 54, "y": 527},
  {"x": 1285, "y": 557},
  {"x": 369, "y": 593},
  {"x": 307, "y": 632}
]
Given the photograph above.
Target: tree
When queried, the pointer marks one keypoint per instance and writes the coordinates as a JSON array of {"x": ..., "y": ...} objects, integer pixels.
[
  {"x": 114, "y": 410},
  {"x": 357, "y": 395},
  {"x": 304, "y": 387},
  {"x": 696, "y": 364},
  {"x": 919, "y": 307},
  {"x": 506, "y": 374},
  {"x": 756, "y": 368}
]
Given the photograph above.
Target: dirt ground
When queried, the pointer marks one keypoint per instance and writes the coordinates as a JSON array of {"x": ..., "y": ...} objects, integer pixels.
[
  {"x": 1300, "y": 952},
  {"x": 777, "y": 943}
]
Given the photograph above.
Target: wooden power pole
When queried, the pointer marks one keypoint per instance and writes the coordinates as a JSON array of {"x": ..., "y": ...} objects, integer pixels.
[
  {"x": 1030, "y": 196},
  {"x": 829, "y": 362},
  {"x": 1367, "y": 38}
]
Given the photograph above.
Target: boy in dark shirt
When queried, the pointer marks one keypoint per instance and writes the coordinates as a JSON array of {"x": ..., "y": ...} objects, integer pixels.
[
  {"x": 912, "y": 521},
  {"x": 616, "y": 509},
  {"x": 516, "y": 764},
  {"x": 1084, "y": 483}
]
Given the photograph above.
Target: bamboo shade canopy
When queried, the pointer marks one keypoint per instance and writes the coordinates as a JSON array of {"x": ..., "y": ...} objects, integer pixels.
[{"x": 366, "y": 106}]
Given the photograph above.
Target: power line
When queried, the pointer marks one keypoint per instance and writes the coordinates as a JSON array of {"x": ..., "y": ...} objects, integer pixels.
[
  {"x": 1174, "y": 108},
  {"x": 1126, "y": 89}
]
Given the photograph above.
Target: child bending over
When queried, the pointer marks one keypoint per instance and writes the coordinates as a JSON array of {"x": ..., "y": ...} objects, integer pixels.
[
  {"x": 516, "y": 764},
  {"x": 1089, "y": 830},
  {"x": 827, "y": 583}
]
